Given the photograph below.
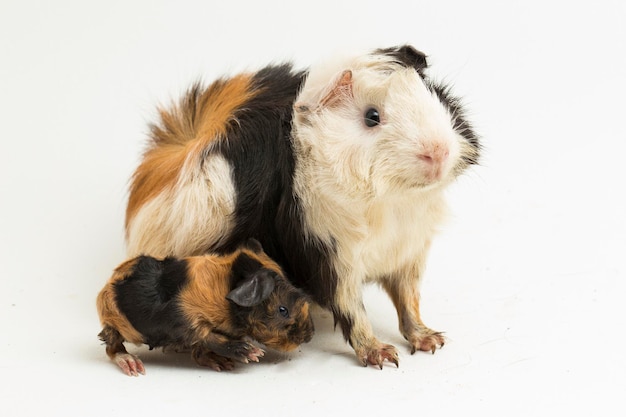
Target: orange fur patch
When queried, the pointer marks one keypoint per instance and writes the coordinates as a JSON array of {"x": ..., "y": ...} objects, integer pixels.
[
  {"x": 109, "y": 313},
  {"x": 186, "y": 130},
  {"x": 203, "y": 299}
]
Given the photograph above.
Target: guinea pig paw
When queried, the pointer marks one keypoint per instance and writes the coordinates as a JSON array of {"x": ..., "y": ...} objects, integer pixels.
[
  {"x": 379, "y": 353},
  {"x": 246, "y": 352},
  {"x": 130, "y": 364},
  {"x": 213, "y": 360},
  {"x": 427, "y": 341}
]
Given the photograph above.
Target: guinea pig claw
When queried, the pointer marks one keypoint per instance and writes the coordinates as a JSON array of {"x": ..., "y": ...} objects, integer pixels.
[
  {"x": 130, "y": 364},
  {"x": 255, "y": 353},
  {"x": 378, "y": 355},
  {"x": 427, "y": 341},
  {"x": 395, "y": 361}
]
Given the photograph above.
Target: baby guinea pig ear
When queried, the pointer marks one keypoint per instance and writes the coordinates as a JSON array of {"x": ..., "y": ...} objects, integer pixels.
[
  {"x": 254, "y": 245},
  {"x": 340, "y": 90},
  {"x": 254, "y": 289}
]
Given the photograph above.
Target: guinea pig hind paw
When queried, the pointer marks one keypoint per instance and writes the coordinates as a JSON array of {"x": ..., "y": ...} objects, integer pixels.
[{"x": 130, "y": 364}]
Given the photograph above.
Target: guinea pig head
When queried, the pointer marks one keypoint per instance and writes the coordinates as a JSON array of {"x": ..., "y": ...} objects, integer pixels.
[
  {"x": 377, "y": 122},
  {"x": 266, "y": 306}
]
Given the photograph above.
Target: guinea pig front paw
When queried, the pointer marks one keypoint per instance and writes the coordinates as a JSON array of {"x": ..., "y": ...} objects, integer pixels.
[
  {"x": 130, "y": 364},
  {"x": 244, "y": 351},
  {"x": 376, "y": 354},
  {"x": 426, "y": 340},
  {"x": 212, "y": 360}
]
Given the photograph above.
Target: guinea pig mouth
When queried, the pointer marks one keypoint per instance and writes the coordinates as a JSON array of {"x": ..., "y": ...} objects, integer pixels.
[
  {"x": 302, "y": 339},
  {"x": 289, "y": 343},
  {"x": 282, "y": 345},
  {"x": 433, "y": 174},
  {"x": 290, "y": 346},
  {"x": 308, "y": 337}
]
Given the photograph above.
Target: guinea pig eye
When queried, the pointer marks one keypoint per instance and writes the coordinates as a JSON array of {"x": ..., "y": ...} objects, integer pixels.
[
  {"x": 371, "y": 117},
  {"x": 282, "y": 310}
]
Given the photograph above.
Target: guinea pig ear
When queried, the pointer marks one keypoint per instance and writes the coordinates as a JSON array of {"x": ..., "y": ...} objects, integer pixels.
[
  {"x": 254, "y": 289},
  {"x": 254, "y": 245},
  {"x": 341, "y": 90}
]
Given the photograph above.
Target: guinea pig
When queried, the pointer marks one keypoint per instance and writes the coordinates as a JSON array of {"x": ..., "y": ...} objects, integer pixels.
[
  {"x": 210, "y": 304},
  {"x": 339, "y": 170}
]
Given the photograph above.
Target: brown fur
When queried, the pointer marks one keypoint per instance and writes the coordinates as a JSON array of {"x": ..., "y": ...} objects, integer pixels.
[
  {"x": 203, "y": 303},
  {"x": 184, "y": 133},
  {"x": 110, "y": 315}
]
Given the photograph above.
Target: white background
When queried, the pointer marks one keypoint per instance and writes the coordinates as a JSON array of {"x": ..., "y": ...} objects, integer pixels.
[{"x": 526, "y": 279}]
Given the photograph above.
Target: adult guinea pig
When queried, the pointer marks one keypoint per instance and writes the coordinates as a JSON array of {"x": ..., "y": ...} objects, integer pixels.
[
  {"x": 338, "y": 170},
  {"x": 210, "y": 304}
]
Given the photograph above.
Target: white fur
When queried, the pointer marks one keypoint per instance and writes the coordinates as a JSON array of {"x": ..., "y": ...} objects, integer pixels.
[
  {"x": 369, "y": 191},
  {"x": 368, "y": 187},
  {"x": 188, "y": 218}
]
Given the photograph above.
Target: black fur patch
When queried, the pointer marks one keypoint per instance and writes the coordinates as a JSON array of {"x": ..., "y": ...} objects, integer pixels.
[
  {"x": 307, "y": 261},
  {"x": 407, "y": 56},
  {"x": 243, "y": 267},
  {"x": 148, "y": 298},
  {"x": 460, "y": 123},
  {"x": 259, "y": 148},
  {"x": 345, "y": 323}
]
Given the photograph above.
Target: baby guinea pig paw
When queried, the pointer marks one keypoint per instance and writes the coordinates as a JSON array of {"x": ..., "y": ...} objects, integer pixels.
[
  {"x": 130, "y": 364},
  {"x": 376, "y": 354},
  {"x": 426, "y": 340},
  {"x": 236, "y": 350},
  {"x": 245, "y": 352},
  {"x": 212, "y": 360}
]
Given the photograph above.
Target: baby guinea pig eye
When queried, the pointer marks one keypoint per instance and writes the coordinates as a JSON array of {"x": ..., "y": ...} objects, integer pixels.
[
  {"x": 283, "y": 311},
  {"x": 371, "y": 117}
]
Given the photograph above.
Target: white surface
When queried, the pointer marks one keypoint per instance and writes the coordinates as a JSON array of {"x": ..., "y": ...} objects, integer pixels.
[{"x": 527, "y": 278}]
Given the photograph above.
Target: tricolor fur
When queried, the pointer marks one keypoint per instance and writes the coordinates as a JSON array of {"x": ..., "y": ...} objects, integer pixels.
[
  {"x": 210, "y": 304},
  {"x": 294, "y": 159}
]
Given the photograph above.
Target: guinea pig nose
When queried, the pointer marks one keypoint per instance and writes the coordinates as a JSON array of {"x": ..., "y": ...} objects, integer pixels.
[
  {"x": 426, "y": 158},
  {"x": 435, "y": 154}
]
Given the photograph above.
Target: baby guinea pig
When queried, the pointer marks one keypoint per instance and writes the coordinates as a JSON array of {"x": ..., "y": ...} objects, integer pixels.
[{"x": 211, "y": 304}]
